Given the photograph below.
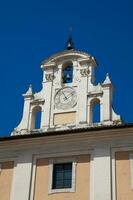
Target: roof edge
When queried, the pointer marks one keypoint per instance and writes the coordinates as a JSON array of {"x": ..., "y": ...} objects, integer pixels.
[{"x": 64, "y": 132}]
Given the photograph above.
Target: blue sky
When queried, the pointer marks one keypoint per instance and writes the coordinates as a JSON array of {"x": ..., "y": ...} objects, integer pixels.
[{"x": 30, "y": 31}]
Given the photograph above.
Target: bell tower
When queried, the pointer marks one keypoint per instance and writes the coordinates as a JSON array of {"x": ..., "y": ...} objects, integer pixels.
[{"x": 68, "y": 95}]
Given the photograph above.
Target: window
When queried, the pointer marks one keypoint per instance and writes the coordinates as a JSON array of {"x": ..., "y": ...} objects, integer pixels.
[
  {"x": 68, "y": 74},
  {"x": 62, "y": 176},
  {"x": 38, "y": 120},
  {"x": 95, "y": 111}
]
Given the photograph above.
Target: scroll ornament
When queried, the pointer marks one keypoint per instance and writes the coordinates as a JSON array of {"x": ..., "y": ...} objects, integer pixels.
[
  {"x": 49, "y": 77},
  {"x": 84, "y": 72}
]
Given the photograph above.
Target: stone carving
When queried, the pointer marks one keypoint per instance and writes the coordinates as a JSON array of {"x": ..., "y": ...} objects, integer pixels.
[
  {"x": 84, "y": 72},
  {"x": 49, "y": 77}
]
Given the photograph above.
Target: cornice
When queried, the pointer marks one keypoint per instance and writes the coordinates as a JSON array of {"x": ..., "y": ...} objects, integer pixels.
[
  {"x": 68, "y": 136},
  {"x": 65, "y": 52}
]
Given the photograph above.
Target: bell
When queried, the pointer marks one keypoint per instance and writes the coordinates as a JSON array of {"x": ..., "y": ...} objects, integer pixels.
[{"x": 68, "y": 77}]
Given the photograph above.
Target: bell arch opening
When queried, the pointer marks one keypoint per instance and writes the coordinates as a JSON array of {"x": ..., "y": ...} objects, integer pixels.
[
  {"x": 95, "y": 111},
  {"x": 36, "y": 118},
  {"x": 67, "y": 72}
]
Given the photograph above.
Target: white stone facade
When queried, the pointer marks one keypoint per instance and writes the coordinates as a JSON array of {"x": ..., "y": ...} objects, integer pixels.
[
  {"x": 87, "y": 94},
  {"x": 100, "y": 154}
]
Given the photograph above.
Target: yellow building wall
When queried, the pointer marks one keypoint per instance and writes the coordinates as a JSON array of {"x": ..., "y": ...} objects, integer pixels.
[
  {"x": 64, "y": 118},
  {"x": 6, "y": 174},
  {"x": 82, "y": 181},
  {"x": 123, "y": 176}
]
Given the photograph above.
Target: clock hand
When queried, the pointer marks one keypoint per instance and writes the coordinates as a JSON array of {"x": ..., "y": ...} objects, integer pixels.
[
  {"x": 65, "y": 98},
  {"x": 71, "y": 94}
]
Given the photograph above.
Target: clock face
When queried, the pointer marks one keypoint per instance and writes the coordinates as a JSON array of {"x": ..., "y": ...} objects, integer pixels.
[{"x": 65, "y": 98}]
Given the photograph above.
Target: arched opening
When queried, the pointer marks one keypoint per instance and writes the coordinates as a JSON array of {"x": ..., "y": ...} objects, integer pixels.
[
  {"x": 67, "y": 72},
  {"x": 95, "y": 111},
  {"x": 36, "y": 118}
]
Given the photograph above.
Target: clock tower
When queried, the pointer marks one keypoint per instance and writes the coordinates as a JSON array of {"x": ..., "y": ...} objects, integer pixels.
[{"x": 68, "y": 95}]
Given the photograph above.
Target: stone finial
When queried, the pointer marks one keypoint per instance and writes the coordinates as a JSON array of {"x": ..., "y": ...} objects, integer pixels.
[
  {"x": 107, "y": 79},
  {"x": 29, "y": 92}
]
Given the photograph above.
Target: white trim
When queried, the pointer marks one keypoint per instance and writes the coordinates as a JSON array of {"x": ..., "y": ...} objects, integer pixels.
[
  {"x": 21, "y": 177},
  {"x": 15, "y": 166},
  {"x": 101, "y": 174},
  {"x": 62, "y": 154},
  {"x": 113, "y": 181},
  {"x": 131, "y": 169},
  {"x": 33, "y": 177},
  {"x": 50, "y": 181}
]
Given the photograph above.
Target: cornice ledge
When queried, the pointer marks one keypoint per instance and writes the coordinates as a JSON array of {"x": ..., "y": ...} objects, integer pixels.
[{"x": 110, "y": 134}]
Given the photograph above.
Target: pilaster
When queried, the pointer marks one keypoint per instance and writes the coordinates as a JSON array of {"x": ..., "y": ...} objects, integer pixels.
[
  {"x": 106, "y": 104},
  {"x": 45, "y": 123},
  {"x": 82, "y": 101},
  {"x": 22, "y": 177},
  {"x": 101, "y": 174}
]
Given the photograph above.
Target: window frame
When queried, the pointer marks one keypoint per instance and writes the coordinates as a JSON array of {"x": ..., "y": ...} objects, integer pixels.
[{"x": 51, "y": 168}]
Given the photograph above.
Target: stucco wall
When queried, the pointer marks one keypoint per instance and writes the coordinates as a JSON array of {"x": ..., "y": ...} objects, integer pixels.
[
  {"x": 6, "y": 179},
  {"x": 82, "y": 181},
  {"x": 123, "y": 176},
  {"x": 64, "y": 118}
]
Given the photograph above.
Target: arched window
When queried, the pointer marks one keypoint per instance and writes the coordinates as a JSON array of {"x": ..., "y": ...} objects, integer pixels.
[
  {"x": 36, "y": 118},
  {"x": 67, "y": 73},
  {"x": 95, "y": 111}
]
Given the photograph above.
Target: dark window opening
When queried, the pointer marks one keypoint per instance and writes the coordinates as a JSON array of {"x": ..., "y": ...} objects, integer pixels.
[
  {"x": 38, "y": 120},
  {"x": 96, "y": 113},
  {"x": 68, "y": 74},
  {"x": 62, "y": 176}
]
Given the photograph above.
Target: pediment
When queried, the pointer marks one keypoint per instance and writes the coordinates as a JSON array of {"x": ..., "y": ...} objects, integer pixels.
[{"x": 66, "y": 55}]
